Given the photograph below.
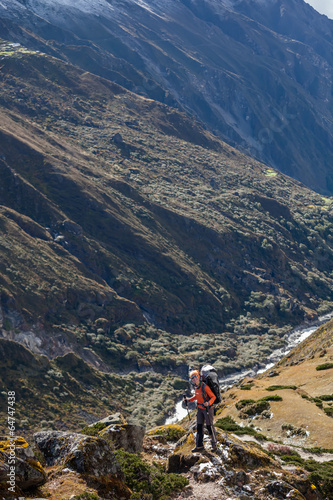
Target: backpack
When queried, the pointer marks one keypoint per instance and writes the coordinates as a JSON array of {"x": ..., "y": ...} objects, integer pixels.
[{"x": 209, "y": 376}]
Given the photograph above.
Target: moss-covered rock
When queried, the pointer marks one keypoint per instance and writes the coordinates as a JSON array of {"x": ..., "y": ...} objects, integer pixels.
[
  {"x": 19, "y": 466},
  {"x": 126, "y": 436},
  {"x": 85, "y": 454}
]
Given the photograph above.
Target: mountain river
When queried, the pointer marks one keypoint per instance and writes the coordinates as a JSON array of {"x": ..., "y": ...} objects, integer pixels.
[{"x": 294, "y": 338}]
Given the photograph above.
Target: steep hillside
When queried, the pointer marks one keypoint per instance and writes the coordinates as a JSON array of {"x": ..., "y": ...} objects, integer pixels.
[
  {"x": 187, "y": 228},
  {"x": 257, "y": 73},
  {"x": 140, "y": 242},
  {"x": 301, "y": 384}
]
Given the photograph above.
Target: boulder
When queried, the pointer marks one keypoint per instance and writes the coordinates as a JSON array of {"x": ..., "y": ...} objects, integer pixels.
[
  {"x": 115, "y": 418},
  {"x": 85, "y": 454},
  {"x": 127, "y": 436},
  {"x": 283, "y": 490},
  {"x": 181, "y": 463},
  {"x": 18, "y": 463}
]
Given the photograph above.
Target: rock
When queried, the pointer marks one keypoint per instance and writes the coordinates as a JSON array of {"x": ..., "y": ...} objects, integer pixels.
[
  {"x": 115, "y": 418},
  {"x": 85, "y": 454},
  {"x": 283, "y": 490},
  {"x": 117, "y": 138},
  {"x": 181, "y": 463},
  {"x": 242, "y": 454},
  {"x": 17, "y": 457},
  {"x": 71, "y": 227},
  {"x": 127, "y": 436},
  {"x": 240, "y": 478}
]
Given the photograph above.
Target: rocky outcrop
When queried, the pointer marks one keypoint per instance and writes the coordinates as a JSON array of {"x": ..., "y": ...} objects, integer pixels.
[
  {"x": 126, "y": 436},
  {"x": 19, "y": 468},
  {"x": 85, "y": 454}
]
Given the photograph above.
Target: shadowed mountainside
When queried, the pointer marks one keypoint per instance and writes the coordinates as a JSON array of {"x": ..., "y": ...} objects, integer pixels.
[
  {"x": 139, "y": 241},
  {"x": 256, "y": 73}
]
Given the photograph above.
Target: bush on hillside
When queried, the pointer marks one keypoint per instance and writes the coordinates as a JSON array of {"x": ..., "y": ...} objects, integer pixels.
[{"x": 145, "y": 479}]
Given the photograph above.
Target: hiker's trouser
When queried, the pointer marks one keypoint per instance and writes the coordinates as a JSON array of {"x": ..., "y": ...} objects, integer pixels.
[{"x": 202, "y": 417}]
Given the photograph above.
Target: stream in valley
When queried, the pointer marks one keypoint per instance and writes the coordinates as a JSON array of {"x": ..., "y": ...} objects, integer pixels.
[{"x": 295, "y": 337}]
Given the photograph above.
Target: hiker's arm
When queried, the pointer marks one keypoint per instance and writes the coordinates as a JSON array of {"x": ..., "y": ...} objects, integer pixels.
[{"x": 211, "y": 396}]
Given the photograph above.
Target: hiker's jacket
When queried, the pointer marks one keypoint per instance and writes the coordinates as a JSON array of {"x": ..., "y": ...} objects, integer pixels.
[{"x": 198, "y": 396}]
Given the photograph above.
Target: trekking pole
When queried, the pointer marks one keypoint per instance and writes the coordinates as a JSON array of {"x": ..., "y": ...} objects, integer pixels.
[{"x": 188, "y": 413}]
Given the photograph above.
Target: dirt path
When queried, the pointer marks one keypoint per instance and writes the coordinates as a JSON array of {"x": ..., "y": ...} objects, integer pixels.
[{"x": 203, "y": 491}]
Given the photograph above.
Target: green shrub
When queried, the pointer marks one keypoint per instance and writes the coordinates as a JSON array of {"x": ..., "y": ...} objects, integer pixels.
[
  {"x": 147, "y": 479},
  {"x": 244, "y": 402},
  {"x": 321, "y": 473},
  {"x": 274, "y": 397},
  {"x": 255, "y": 408},
  {"x": 94, "y": 429},
  {"x": 246, "y": 387},
  {"x": 329, "y": 411},
  {"x": 325, "y": 366},
  {"x": 327, "y": 397},
  {"x": 172, "y": 432},
  {"x": 293, "y": 459},
  {"x": 280, "y": 387},
  {"x": 228, "y": 424}
]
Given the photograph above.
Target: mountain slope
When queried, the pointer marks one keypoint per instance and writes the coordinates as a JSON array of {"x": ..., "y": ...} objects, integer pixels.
[
  {"x": 303, "y": 417},
  {"x": 193, "y": 232},
  {"x": 140, "y": 242},
  {"x": 257, "y": 74}
]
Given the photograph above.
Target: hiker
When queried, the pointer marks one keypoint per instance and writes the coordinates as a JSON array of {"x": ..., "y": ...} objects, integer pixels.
[{"x": 204, "y": 397}]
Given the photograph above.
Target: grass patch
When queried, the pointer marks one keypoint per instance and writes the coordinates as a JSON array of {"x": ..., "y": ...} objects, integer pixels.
[
  {"x": 274, "y": 397},
  {"x": 329, "y": 411},
  {"x": 228, "y": 424},
  {"x": 280, "y": 387},
  {"x": 145, "y": 479},
  {"x": 325, "y": 366},
  {"x": 246, "y": 387},
  {"x": 244, "y": 402},
  {"x": 326, "y": 397}
]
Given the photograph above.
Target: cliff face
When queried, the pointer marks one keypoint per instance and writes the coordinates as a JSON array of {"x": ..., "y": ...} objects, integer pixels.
[{"x": 258, "y": 74}]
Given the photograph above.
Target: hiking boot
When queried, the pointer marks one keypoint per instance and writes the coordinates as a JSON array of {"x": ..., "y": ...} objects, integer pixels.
[{"x": 197, "y": 448}]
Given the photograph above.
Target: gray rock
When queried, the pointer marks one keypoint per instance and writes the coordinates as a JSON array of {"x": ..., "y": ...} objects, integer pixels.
[
  {"x": 115, "y": 418},
  {"x": 279, "y": 489},
  {"x": 127, "y": 436},
  {"x": 19, "y": 465},
  {"x": 84, "y": 454}
]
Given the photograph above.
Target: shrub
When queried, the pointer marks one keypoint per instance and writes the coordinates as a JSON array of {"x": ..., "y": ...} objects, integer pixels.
[
  {"x": 321, "y": 474},
  {"x": 94, "y": 429},
  {"x": 274, "y": 397},
  {"x": 325, "y": 366},
  {"x": 244, "y": 402},
  {"x": 147, "y": 479},
  {"x": 280, "y": 387},
  {"x": 171, "y": 432},
  {"x": 228, "y": 424},
  {"x": 327, "y": 397},
  {"x": 250, "y": 407},
  {"x": 246, "y": 387}
]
